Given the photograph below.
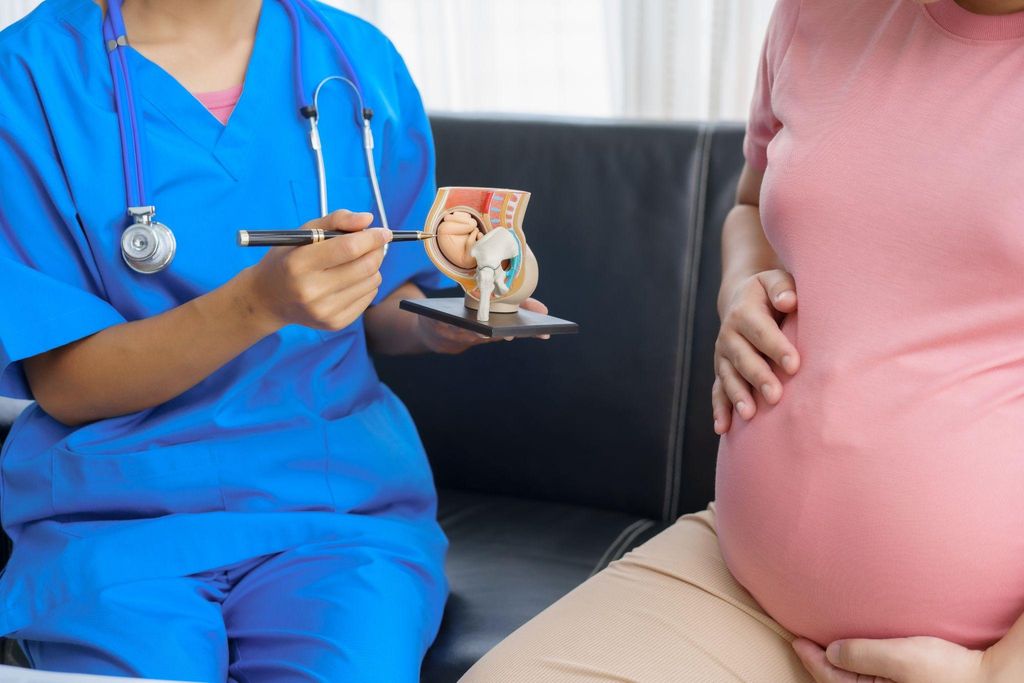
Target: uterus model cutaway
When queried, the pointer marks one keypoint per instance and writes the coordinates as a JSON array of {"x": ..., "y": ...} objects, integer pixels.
[{"x": 481, "y": 245}]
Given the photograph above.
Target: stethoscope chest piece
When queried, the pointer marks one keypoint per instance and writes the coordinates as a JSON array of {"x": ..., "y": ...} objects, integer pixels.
[{"x": 147, "y": 246}]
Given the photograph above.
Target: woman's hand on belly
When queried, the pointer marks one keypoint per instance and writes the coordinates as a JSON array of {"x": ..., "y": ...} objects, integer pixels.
[
  {"x": 911, "y": 660},
  {"x": 751, "y": 335}
]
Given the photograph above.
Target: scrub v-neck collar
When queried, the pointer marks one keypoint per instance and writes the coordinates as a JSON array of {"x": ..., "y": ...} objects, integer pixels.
[{"x": 232, "y": 144}]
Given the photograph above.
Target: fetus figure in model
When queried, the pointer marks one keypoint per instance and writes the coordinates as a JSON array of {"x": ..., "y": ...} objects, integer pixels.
[
  {"x": 457, "y": 234},
  {"x": 480, "y": 244}
]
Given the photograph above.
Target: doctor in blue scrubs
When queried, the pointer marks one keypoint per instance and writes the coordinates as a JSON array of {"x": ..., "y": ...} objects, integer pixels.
[{"x": 213, "y": 484}]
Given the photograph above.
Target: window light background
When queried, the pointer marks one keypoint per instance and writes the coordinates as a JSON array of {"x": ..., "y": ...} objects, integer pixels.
[{"x": 656, "y": 59}]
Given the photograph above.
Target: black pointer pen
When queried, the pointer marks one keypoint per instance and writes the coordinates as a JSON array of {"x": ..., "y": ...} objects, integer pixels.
[{"x": 294, "y": 238}]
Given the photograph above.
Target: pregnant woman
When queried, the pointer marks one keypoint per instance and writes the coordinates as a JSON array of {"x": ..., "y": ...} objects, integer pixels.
[{"x": 869, "y": 521}]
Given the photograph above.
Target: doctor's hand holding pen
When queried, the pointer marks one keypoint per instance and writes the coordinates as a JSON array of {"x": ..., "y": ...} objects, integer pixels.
[
  {"x": 137, "y": 365},
  {"x": 326, "y": 285}
]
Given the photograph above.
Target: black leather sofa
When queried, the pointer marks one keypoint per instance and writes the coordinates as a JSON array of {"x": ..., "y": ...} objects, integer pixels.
[{"x": 596, "y": 442}]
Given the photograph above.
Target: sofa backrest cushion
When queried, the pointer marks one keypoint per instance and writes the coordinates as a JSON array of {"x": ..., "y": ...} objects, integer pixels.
[{"x": 603, "y": 418}]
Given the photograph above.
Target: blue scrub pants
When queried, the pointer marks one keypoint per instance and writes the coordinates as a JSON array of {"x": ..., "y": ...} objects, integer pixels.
[{"x": 327, "y": 613}]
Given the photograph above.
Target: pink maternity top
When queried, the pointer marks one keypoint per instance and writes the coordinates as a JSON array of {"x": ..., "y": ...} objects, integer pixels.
[{"x": 884, "y": 495}]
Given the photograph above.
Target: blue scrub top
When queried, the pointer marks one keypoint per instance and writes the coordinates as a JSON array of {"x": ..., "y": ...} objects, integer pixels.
[{"x": 296, "y": 440}]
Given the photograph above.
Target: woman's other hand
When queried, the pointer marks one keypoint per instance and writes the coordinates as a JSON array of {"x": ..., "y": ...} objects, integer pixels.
[
  {"x": 908, "y": 660},
  {"x": 326, "y": 285},
  {"x": 750, "y": 336}
]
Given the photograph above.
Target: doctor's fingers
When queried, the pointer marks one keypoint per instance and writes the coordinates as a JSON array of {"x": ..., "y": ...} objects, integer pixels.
[
  {"x": 342, "y": 219},
  {"x": 307, "y": 288},
  {"x": 339, "y": 250},
  {"x": 348, "y": 274},
  {"x": 362, "y": 272},
  {"x": 457, "y": 335},
  {"x": 535, "y": 305},
  {"x": 338, "y": 311},
  {"x": 452, "y": 340}
]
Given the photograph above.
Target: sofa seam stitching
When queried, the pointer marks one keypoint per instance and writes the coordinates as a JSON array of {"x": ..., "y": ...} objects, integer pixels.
[
  {"x": 698, "y": 246},
  {"x": 608, "y": 555},
  {"x": 625, "y": 545},
  {"x": 686, "y": 321}
]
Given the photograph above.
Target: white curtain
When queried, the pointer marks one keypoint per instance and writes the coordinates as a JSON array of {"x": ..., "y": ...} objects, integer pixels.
[
  {"x": 688, "y": 59},
  {"x": 660, "y": 59},
  {"x": 12, "y": 10}
]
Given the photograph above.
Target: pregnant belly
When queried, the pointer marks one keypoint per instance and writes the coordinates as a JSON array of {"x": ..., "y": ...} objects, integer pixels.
[{"x": 871, "y": 502}]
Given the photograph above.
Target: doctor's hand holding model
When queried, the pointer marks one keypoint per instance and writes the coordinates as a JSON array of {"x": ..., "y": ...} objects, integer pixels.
[{"x": 213, "y": 483}]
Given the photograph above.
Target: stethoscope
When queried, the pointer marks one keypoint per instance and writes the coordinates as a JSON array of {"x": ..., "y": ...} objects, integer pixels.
[{"x": 148, "y": 246}]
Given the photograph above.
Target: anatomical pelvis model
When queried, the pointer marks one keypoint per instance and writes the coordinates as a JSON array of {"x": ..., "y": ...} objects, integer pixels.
[{"x": 481, "y": 245}]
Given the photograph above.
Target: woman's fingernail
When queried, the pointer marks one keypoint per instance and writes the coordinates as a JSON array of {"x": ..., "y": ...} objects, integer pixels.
[
  {"x": 767, "y": 391},
  {"x": 787, "y": 363},
  {"x": 741, "y": 406},
  {"x": 782, "y": 295},
  {"x": 509, "y": 338},
  {"x": 832, "y": 652}
]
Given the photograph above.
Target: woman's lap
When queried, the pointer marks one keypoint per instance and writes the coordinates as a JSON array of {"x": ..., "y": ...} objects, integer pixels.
[
  {"x": 321, "y": 613},
  {"x": 668, "y": 611}
]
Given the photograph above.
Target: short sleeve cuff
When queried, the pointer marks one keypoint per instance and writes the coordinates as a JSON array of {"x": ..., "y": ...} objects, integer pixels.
[{"x": 45, "y": 314}]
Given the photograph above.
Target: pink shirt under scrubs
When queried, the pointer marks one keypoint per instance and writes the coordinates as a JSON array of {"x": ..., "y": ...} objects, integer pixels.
[
  {"x": 884, "y": 495},
  {"x": 221, "y": 103}
]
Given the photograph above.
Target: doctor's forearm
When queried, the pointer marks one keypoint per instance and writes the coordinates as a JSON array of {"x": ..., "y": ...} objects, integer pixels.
[
  {"x": 139, "y": 365},
  {"x": 391, "y": 331}
]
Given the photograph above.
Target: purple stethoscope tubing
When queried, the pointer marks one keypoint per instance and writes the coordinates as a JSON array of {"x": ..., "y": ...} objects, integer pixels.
[{"x": 115, "y": 38}]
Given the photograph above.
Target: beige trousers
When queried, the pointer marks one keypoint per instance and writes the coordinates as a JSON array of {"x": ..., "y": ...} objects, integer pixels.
[{"x": 668, "y": 611}]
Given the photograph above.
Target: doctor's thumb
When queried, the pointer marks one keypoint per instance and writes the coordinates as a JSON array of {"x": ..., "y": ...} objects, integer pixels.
[{"x": 345, "y": 220}]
